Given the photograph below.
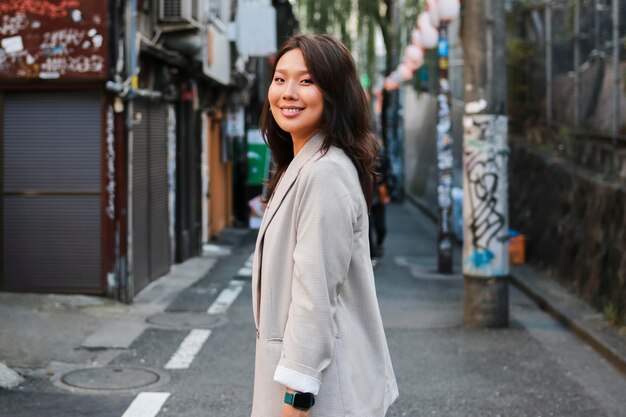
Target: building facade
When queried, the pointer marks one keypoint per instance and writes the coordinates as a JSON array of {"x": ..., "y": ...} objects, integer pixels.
[{"x": 115, "y": 158}]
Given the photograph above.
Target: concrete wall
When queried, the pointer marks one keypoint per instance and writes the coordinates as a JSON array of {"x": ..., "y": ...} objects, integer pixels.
[
  {"x": 420, "y": 147},
  {"x": 575, "y": 224}
]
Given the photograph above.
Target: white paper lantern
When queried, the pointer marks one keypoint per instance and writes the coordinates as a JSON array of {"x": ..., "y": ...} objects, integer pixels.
[
  {"x": 414, "y": 56},
  {"x": 405, "y": 72},
  {"x": 430, "y": 36},
  {"x": 416, "y": 38},
  {"x": 433, "y": 11},
  {"x": 423, "y": 20},
  {"x": 449, "y": 9}
]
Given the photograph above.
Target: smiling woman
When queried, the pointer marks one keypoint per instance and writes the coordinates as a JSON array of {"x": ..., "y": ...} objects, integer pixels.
[{"x": 321, "y": 348}]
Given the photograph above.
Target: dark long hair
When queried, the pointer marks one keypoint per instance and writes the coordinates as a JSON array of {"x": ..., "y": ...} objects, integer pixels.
[{"x": 345, "y": 118}]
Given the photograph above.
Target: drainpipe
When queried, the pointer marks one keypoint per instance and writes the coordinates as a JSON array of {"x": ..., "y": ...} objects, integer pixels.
[
  {"x": 617, "y": 75},
  {"x": 131, "y": 57}
]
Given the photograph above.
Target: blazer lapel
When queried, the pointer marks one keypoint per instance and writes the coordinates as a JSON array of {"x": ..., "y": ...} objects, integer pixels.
[{"x": 308, "y": 151}]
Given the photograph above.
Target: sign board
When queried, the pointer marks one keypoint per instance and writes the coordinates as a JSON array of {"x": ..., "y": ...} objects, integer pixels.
[
  {"x": 50, "y": 39},
  {"x": 236, "y": 123},
  {"x": 258, "y": 158},
  {"x": 216, "y": 55},
  {"x": 253, "y": 38}
]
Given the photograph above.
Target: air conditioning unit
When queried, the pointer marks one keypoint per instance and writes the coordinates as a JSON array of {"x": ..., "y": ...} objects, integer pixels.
[{"x": 179, "y": 11}]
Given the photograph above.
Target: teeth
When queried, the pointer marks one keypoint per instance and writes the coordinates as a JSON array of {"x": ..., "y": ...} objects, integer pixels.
[{"x": 291, "y": 110}]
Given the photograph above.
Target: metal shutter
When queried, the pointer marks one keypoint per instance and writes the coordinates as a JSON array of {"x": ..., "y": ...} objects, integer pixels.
[
  {"x": 140, "y": 197},
  {"x": 51, "y": 152},
  {"x": 151, "y": 240},
  {"x": 159, "y": 209}
]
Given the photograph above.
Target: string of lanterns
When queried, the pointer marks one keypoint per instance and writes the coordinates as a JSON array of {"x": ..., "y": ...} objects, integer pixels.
[{"x": 424, "y": 36}]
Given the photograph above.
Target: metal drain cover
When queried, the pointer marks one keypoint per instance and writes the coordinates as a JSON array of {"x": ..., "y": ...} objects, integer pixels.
[
  {"x": 110, "y": 378},
  {"x": 186, "y": 320}
]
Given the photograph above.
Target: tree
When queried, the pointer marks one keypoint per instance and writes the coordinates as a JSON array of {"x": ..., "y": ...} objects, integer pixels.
[{"x": 356, "y": 23}]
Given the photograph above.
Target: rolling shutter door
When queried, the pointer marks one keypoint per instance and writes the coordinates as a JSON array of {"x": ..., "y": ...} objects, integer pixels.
[
  {"x": 159, "y": 208},
  {"x": 151, "y": 240},
  {"x": 51, "y": 153}
]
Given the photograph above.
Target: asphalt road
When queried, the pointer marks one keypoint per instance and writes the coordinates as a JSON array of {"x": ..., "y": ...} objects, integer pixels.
[{"x": 532, "y": 368}]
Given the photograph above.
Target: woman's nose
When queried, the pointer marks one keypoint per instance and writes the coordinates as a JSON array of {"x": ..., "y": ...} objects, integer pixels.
[{"x": 291, "y": 91}]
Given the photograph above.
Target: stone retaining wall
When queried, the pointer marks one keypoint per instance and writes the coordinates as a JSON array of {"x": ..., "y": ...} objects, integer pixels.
[{"x": 575, "y": 225}]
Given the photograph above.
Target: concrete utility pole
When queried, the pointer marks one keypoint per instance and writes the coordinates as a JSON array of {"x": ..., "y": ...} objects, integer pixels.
[
  {"x": 444, "y": 156},
  {"x": 393, "y": 120},
  {"x": 485, "y": 182}
]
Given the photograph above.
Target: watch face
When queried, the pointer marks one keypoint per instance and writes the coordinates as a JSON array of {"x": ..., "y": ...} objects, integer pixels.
[{"x": 303, "y": 400}]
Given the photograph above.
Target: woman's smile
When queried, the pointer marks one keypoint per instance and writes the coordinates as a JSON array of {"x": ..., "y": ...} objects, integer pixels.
[{"x": 289, "y": 111}]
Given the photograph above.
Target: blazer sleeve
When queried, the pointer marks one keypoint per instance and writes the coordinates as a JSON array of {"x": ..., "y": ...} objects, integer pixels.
[{"x": 323, "y": 250}]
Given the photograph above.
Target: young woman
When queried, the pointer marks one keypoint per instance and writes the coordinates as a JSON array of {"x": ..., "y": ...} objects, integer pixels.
[{"x": 321, "y": 349}]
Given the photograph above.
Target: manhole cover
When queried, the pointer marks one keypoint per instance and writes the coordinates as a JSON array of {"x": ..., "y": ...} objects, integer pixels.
[
  {"x": 186, "y": 320},
  {"x": 110, "y": 378}
]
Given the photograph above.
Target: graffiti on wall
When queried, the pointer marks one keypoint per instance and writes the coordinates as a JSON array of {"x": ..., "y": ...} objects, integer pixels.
[
  {"x": 485, "y": 208},
  {"x": 51, "y": 9},
  {"x": 53, "y": 39},
  {"x": 171, "y": 174},
  {"x": 110, "y": 164},
  {"x": 444, "y": 151}
]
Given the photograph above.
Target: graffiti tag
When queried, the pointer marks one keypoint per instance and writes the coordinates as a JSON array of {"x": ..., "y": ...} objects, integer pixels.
[
  {"x": 486, "y": 157},
  {"x": 63, "y": 37},
  {"x": 81, "y": 64},
  {"x": 11, "y": 25},
  {"x": 39, "y": 7},
  {"x": 110, "y": 164}
]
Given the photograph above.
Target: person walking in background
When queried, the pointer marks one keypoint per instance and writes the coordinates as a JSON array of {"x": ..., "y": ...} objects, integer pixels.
[
  {"x": 321, "y": 349},
  {"x": 382, "y": 197}
]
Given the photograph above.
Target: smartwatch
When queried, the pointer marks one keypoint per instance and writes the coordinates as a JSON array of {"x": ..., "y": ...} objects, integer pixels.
[{"x": 300, "y": 400}]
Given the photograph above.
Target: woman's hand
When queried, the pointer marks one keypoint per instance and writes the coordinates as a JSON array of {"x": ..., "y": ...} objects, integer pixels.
[{"x": 289, "y": 411}]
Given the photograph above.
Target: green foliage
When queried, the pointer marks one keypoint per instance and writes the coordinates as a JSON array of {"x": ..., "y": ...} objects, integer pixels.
[
  {"x": 611, "y": 314},
  {"x": 357, "y": 23},
  {"x": 519, "y": 55}
]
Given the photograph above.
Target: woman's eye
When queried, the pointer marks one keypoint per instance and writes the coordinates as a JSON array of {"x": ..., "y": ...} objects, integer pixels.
[
  {"x": 278, "y": 80},
  {"x": 307, "y": 81}
]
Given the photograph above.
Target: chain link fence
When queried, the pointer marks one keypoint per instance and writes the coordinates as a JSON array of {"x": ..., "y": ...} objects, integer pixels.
[{"x": 567, "y": 66}]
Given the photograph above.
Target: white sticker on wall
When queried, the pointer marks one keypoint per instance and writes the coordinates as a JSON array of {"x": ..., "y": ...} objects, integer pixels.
[{"x": 13, "y": 44}]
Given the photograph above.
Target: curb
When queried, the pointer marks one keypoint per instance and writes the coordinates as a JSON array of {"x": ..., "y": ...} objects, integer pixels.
[
  {"x": 603, "y": 339},
  {"x": 8, "y": 377}
]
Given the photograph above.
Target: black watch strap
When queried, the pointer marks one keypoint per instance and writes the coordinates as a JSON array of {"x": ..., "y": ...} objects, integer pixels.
[{"x": 300, "y": 400}]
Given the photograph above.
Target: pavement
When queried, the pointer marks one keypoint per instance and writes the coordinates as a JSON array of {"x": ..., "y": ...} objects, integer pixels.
[{"x": 538, "y": 366}]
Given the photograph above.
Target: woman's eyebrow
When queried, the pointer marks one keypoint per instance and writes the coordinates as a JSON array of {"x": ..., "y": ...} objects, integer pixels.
[{"x": 287, "y": 71}]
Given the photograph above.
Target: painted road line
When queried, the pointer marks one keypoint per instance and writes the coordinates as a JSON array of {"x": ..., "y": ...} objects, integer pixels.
[
  {"x": 188, "y": 349},
  {"x": 147, "y": 404},
  {"x": 244, "y": 272},
  {"x": 226, "y": 297}
]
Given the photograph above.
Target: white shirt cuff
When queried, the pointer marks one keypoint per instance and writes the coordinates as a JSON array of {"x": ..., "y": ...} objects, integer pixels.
[{"x": 296, "y": 381}]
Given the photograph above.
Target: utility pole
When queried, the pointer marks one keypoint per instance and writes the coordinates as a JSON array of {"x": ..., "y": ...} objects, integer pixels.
[
  {"x": 444, "y": 156},
  {"x": 485, "y": 181},
  {"x": 393, "y": 100}
]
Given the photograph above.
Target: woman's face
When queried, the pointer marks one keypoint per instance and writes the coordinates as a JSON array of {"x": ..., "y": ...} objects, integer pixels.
[{"x": 296, "y": 102}]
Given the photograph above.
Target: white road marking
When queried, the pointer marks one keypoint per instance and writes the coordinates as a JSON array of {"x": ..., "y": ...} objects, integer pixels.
[
  {"x": 188, "y": 349},
  {"x": 146, "y": 404},
  {"x": 226, "y": 297},
  {"x": 244, "y": 272}
]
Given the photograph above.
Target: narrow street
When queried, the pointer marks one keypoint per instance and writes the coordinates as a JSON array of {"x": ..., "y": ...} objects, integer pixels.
[{"x": 533, "y": 368}]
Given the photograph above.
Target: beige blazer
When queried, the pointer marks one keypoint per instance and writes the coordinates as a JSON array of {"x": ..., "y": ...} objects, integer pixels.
[{"x": 318, "y": 323}]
